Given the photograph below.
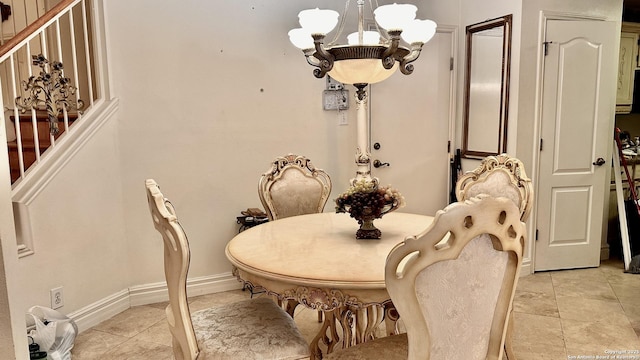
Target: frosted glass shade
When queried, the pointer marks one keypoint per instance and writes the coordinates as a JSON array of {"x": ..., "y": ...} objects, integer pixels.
[
  {"x": 368, "y": 38},
  {"x": 395, "y": 16},
  {"x": 301, "y": 39},
  {"x": 361, "y": 71},
  {"x": 318, "y": 21},
  {"x": 419, "y": 31}
]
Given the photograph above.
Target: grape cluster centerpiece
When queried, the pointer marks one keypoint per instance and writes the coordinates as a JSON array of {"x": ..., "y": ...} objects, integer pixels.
[{"x": 366, "y": 201}]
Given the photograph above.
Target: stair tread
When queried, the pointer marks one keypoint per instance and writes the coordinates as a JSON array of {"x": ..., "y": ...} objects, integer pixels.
[
  {"x": 13, "y": 145},
  {"x": 42, "y": 116}
]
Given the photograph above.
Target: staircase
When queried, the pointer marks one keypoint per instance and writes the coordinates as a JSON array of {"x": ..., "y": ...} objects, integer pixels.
[
  {"x": 64, "y": 34},
  {"x": 28, "y": 143}
]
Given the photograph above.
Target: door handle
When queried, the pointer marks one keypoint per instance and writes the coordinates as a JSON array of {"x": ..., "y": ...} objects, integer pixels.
[
  {"x": 377, "y": 163},
  {"x": 599, "y": 162}
]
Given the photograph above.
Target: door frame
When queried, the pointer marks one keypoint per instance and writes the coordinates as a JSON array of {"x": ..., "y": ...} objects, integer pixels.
[
  {"x": 545, "y": 16},
  {"x": 453, "y": 90}
]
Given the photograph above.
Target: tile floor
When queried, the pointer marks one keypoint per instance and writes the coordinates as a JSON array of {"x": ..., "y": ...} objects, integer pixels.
[{"x": 559, "y": 315}]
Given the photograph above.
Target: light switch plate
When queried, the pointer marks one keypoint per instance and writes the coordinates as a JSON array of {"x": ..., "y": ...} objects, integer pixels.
[{"x": 333, "y": 84}]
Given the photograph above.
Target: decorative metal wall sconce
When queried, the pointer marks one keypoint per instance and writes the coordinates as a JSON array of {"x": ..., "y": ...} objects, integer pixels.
[{"x": 57, "y": 91}]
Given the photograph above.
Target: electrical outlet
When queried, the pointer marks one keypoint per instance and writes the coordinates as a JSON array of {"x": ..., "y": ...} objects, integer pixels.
[{"x": 57, "y": 298}]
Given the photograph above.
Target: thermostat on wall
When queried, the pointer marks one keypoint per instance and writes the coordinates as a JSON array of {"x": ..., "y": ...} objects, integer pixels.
[{"x": 335, "y": 99}]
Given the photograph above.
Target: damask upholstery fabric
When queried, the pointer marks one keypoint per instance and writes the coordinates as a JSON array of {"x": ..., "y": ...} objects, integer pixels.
[
  {"x": 295, "y": 194},
  {"x": 255, "y": 329},
  {"x": 393, "y": 347},
  {"x": 498, "y": 183},
  {"x": 459, "y": 298}
]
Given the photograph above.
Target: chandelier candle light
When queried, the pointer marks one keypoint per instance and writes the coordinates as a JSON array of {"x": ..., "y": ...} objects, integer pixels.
[{"x": 369, "y": 57}]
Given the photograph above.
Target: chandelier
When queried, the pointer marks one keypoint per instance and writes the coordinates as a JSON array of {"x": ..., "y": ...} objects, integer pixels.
[{"x": 370, "y": 56}]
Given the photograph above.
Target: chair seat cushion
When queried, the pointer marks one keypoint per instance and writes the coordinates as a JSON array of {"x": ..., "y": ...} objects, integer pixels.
[
  {"x": 388, "y": 348},
  {"x": 249, "y": 329}
]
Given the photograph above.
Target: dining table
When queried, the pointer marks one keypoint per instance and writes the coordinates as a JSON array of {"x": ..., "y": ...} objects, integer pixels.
[{"x": 316, "y": 261}]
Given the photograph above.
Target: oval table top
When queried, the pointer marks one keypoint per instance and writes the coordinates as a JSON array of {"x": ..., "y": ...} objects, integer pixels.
[{"x": 321, "y": 250}]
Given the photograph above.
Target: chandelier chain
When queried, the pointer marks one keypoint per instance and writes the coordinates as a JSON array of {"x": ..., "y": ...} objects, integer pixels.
[
  {"x": 341, "y": 24},
  {"x": 383, "y": 34}
]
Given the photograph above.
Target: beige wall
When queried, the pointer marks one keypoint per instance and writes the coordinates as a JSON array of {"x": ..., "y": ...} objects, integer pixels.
[
  {"x": 206, "y": 105},
  {"x": 78, "y": 229}
]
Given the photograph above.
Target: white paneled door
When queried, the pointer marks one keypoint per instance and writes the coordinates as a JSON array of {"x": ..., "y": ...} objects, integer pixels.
[
  {"x": 578, "y": 105},
  {"x": 416, "y": 147}
]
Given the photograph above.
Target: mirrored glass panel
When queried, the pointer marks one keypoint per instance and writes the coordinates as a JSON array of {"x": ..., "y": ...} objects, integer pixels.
[{"x": 487, "y": 88}]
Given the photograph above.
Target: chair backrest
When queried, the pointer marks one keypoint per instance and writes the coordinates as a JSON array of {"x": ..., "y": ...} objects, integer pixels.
[
  {"x": 176, "y": 267},
  {"x": 460, "y": 274},
  {"x": 499, "y": 175},
  {"x": 293, "y": 186}
]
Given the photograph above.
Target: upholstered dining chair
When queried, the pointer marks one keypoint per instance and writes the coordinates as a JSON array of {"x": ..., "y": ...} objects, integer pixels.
[
  {"x": 293, "y": 186},
  {"x": 453, "y": 285},
  {"x": 499, "y": 175},
  {"x": 248, "y": 329}
]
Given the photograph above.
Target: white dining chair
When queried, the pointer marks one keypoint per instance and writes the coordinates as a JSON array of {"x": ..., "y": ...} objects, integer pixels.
[
  {"x": 453, "y": 285},
  {"x": 248, "y": 329},
  {"x": 500, "y": 175},
  {"x": 293, "y": 186}
]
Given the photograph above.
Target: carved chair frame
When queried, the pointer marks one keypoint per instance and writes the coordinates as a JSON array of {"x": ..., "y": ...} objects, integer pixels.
[
  {"x": 513, "y": 167},
  {"x": 279, "y": 167},
  {"x": 453, "y": 228}
]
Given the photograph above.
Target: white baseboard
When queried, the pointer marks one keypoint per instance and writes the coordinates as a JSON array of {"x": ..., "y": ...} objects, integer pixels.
[
  {"x": 157, "y": 292},
  {"x": 526, "y": 268},
  {"x": 112, "y": 305},
  {"x": 604, "y": 252},
  {"x": 101, "y": 310},
  {"x": 212, "y": 284}
]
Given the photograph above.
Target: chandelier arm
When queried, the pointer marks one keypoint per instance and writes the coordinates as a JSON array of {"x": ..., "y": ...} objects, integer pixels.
[
  {"x": 405, "y": 64},
  {"x": 312, "y": 61},
  {"x": 325, "y": 58},
  {"x": 388, "y": 59}
]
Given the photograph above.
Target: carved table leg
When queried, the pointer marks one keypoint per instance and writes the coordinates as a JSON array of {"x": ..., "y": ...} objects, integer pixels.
[
  {"x": 367, "y": 321},
  {"x": 391, "y": 317},
  {"x": 290, "y": 306},
  {"x": 347, "y": 319},
  {"x": 330, "y": 340}
]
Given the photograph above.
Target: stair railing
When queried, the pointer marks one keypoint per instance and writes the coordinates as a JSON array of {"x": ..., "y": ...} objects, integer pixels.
[
  {"x": 71, "y": 33},
  {"x": 62, "y": 35}
]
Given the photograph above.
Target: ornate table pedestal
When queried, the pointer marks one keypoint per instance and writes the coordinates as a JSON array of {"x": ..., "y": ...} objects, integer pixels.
[
  {"x": 315, "y": 260},
  {"x": 350, "y": 317}
]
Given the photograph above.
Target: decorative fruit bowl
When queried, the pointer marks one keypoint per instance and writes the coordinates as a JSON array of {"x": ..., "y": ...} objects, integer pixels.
[{"x": 365, "y": 201}]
